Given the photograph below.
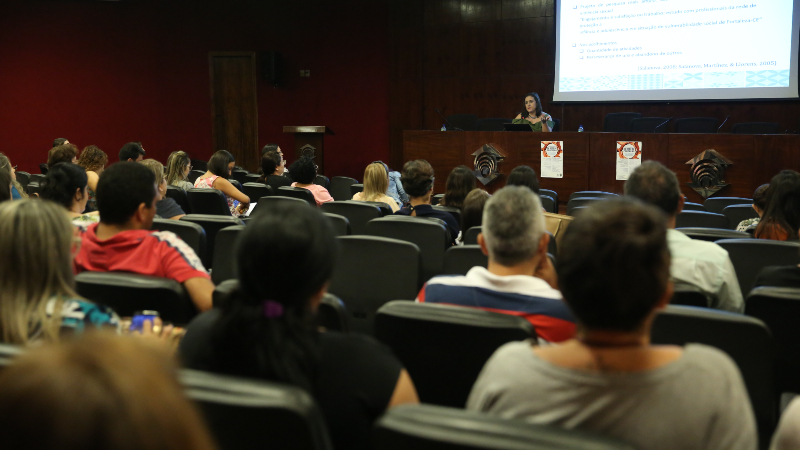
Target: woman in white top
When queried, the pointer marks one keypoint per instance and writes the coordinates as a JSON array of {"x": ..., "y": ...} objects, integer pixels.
[{"x": 376, "y": 183}]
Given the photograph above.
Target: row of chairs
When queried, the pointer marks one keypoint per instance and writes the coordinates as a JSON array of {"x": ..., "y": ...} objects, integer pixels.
[{"x": 633, "y": 122}]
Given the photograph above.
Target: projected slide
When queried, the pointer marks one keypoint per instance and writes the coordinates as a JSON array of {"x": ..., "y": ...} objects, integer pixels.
[{"x": 617, "y": 50}]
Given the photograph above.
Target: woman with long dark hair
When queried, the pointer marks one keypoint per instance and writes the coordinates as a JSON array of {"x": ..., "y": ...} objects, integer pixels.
[
  {"x": 534, "y": 116},
  {"x": 219, "y": 170},
  {"x": 460, "y": 182},
  {"x": 781, "y": 220}
]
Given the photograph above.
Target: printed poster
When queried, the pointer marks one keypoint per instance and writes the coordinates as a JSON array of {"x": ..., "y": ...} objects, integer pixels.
[
  {"x": 552, "y": 159},
  {"x": 629, "y": 157}
]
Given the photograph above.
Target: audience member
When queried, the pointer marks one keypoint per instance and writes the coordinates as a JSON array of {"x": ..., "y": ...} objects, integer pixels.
[
  {"x": 759, "y": 205},
  {"x": 472, "y": 211},
  {"x": 781, "y": 219},
  {"x": 613, "y": 269},
  {"x": 132, "y": 151},
  {"x": 59, "y": 141},
  {"x": 376, "y": 183},
  {"x": 66, "y": 185},
  {"x": 63, "y": 153},
  {"x": 121, "y": 242},
  {"x": 705, "y": 265},
  {"x": 17, "y": 191},
  {"x": 418, "y": 181},
  {"x": 272, "y": 168},
  {"x": 520, "y": 279},
  {"x": 178, "y": 167},
  {"x": 395, "y": 187},
  {"x": 6, "y": 186},
  {"x": 271, "y": 148},
  {"x": 304, "y": 171},
  {"x": 220, "y": 167},
  {"x": 779, "y": 276},
  {"x": 166, "y": 208},
  {"x": 460, "y": 182},
  {"x": 787, "y": 436},
  {"x": 39, "y": 300},
  {"x": 265, "y": 328},
  {"x": 524, "y": 176},
  {"x": 94, "y": 161},
  {"x": 100, "y": 391}
]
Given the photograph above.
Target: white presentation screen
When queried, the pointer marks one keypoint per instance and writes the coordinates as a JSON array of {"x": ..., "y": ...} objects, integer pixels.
[{"x": 621, "y": 50}]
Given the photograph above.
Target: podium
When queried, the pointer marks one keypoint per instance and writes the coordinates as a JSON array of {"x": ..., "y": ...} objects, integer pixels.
[{"x": 309, "y": 141}]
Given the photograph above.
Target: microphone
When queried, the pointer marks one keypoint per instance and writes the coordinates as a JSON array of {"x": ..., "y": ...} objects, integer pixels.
[
  {"x": 449, "y": 127},
  {"x": 662, "y": 124},
  {"x": 723, "y": 123}
]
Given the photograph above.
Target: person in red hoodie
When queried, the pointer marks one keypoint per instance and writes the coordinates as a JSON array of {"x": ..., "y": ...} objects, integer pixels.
[{"x": 122, "y": 241}]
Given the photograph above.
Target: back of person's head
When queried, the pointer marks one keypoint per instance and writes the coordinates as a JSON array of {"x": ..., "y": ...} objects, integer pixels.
[
  {"x": 220, "y": 162},
  {"x": 513, "y": 225},
  {"x": 157, "y": 168},
  {"x": 523, "y": 176},
  {"x": 472, "y": 211},
  {"x": 36, "y": 241},
  {"x": 97, "y": 392},
  {"x": 376, "y": 182},
  {"x": 459, "y": 183},
  {"x": 270, "y": 161},
  {"x": 62, "y": 154},
  {"x": 655, "y": 184},
  {"x": 121, "y": 189},
  {"x": 613, "y": 264},
  {"x": 417, "y": 178},
  {"x": 760, "y": 197},
  {"x": 62, "y": 183},
  {"x": 93, "y": 159},
  {"x": 131, "y": 151},
  {"x": 781, "y": 219},
  {"x": 285, "y": 259},
  {"x": 269, "y": 148},
  {"x": 176, "y": 166},
  {"x": 303, "y": 170},
  {"x": 59, "y": 141},
  {"x": 5, "y": 185}
]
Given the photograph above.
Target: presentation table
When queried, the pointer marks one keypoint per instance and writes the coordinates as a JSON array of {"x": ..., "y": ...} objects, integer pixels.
[{"x": 590, "y": 158}]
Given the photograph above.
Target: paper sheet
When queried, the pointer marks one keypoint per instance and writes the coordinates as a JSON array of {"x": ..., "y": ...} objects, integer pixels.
[
  {"x": 629, "y": 157},
  {"x": 552, "y": 159},
  {"x": 250, "y": 209}
]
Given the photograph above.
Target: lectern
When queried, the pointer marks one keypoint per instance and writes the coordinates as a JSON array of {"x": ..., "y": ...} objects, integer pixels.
[{"x": 309, "y": 141}]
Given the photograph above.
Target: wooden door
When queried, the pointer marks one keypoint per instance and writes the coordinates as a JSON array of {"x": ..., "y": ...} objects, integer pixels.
[{"x": 234, "y": 106}]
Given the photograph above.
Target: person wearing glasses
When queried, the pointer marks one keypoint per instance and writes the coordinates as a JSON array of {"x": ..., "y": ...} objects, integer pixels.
[
  {"x": 273, "y": 167},
  {"x": 418, "y": 181},
  {"x": 17, "y": 192},
  {"x": 178, "y": 167}
]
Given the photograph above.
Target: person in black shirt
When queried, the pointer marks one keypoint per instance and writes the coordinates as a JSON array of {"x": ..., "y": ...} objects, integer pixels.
[
  {"x": 273, "y": 167},
  {"x": 265, "y": 329},
  {"x": 779, "y": 276},
  {"x": 417, "y": 178}
]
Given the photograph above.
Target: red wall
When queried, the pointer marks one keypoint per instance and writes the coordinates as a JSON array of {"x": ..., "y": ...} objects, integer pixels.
[{"x": 106, "y": 73}]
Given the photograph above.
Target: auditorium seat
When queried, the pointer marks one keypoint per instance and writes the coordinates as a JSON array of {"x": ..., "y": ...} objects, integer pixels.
[
  {"x": 332, "y": 314},
  {"x": 649, "y": 125},
  {"x": 265, "y": 203},
  {"x": 737, "y": 213},
  {"x": 491, "y": 124},
  {"x": 191, "y": 233},
  {"x": 436, "y": 199},
  {"x": 23, "y": 178},
  {"x": 371, "y": 271},
  {"x": 211, "y": 224},
  {"x": 32, "y": 188},
  {"x": 444, "y": 347},
  {"x": 43, "y": 169},
  {"x": 712, "y": 234},
  {"x": 355, "y": 189},
  {"x": 200, "y": 165},
  {"x": 700, "y": 219},
  {"x": 248, "y": 413},
  {"x": 257, "y": 190},
  {"x": 429, "y": 234},
  {"x": 339, "y": 224},
  {"x": 252, "y": 178},
  {"x": 358, "y": 213},
  {"x": 471, "y": 235},
  {"x": 340, "y": 188},
  {"x": 756, "y": 128},
  {"x": 718, "y": 204},
  {"x": 551, "y": 193},
  {"x": 619, "y": 122},
  {"x": 688, "y": 295},
  {"x": 459, "y": 259},
  {"x": 455, "y": 212},
  {"x": 703, "y": 125},
  {"x": 195, "y": 174},
  {"x": 180, "y": 197},
  {"x": 386, "y": 210},
  {"x": 750, "y": 256},
  {"x": 429, "y": 427},
  {"x": 466, "y": 122},
  {"x": 208, "y": 201},
  {"x": 36, "y": 178},
  {"x": 222, "y": 291},
  {"x": 592, "y": 194},
  {"x": 240, "y": 175},
  {"x": 296, "y": 192},
  {"x": 237, "y": 185},
  {"x": 127, "y": 293},
  {"x": 556, "y": 125},
  {"x": 322, "y": 180},
  {"x": 549, "y": 204},
  {"x": 225, "y": 266},
  {"x": 689, "y": 206},
  {"x": 578, "y": 202},
  {"x": 745, "y": 339}
]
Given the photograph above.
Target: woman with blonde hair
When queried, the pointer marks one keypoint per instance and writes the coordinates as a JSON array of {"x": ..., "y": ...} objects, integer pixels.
[
  {"x": 17, "y": 191},
  {"x": 93, "y": 160},
  {"x": 166, "y": 207},
  {"x": 178, "y": 167},
  {"x": 376, "y": 183},
  {"x": 37, "y": 294}
]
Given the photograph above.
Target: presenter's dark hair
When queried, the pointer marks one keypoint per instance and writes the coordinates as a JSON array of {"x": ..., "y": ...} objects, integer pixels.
[
  {"x": 121, "y": 189},
  {"x": 655, "y": 184},
  {"x": 538, "y": 110},
  {"x": 269, "y": 148},
  {"x": 459, "y": 183},
  {"x": 218, "y": 164},
  {"x": 61, "y": 182},
  {"x": 613, "y": 264},
  {"x": 131, "y": 150},
  {"x": 417, "y": 177},
  {"x": 286, "y": 242},
  {"x": 58, "y": 141},
  {"x": 303, "y": 170},
  {"x": 523, "y": 176},
  {"x": 269, "y": 162},
  {"x": 781, "y": 219}
]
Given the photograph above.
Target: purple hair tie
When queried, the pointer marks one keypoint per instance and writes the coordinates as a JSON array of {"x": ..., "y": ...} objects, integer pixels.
[{"x": 272, "y": 309}]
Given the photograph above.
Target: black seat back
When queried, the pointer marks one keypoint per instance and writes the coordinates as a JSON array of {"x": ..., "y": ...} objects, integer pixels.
[
  {"x": 455, "y": 212},
  {"x": 195, "y": 174},
  {"x": 779, "y": 308},
  {"x": 549, "y": 204},
  {"x": 466, "y": 122},
  {"x": 355, "y": 189},
  {"x": 252, "y": 178},
  {"x": 32, "y": 188},
  {"x": 199, "y": 165},
  {"x": 703, "y": 125},
  {"x": 257, "y": 190},
  {"x": 718, "y": 204},
  {"x": 579, "y": 202},
  {"x": 211, "y": 224},
  {"x": 689, "y": 206},
  {"x": 208, "y": 201},
  {"x": 296, "y": 192},
  {"x": 464, "y": 340},
  {"x": 471, "y": 235},
  {"x": 551, "y": 193},
  {"x": 700, "y": 219},
  {"x": 181, "y": 198},
  {"x": 458, "y": 260},
  {"x": 688, "y": 295},
  {"x": 649, "y": 125},
  {"x": 592, "y": 194},
  {"x": 619, "y": 122},
  {"x": 23, "y": 178},
  {"x": 323, "y": 181},
  {"x": 332, "y": 314},
  {"x": 430, "y": 236},
  {"x": 750, "y": 256},
  {"x": 358, "y": 213},
  {"x": 191, "y": 233},
  {"x": 491, "y": 124},
  {"x": 264, "y": 203},
  {"x": 225, "y": 265},
  {"x": 339, "y": 224},
  {"x": 756, "y": 128},
  {"x": 240, "y": 175},
  {"x": 386, "y": 210},
  {"x": 712, "y": 234},
  {"x": 127, "y": 293},
  {"x": 737, "y": 213},
  {"x": 436, "y": 199},
  {"x": 340, "y": 188}
]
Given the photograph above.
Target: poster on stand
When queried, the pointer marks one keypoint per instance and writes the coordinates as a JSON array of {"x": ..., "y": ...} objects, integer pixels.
[
  {"x": 629, "y": 157},
  {"x": 552, "y": 159}
]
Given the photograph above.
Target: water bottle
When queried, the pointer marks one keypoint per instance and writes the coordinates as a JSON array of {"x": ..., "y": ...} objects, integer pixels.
[
  {"x": 580, "y": 129},
  {"x": 444, "y": 128}
]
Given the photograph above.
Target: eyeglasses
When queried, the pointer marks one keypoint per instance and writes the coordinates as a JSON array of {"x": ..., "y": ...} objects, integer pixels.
[{"x": 15, "y": 167}]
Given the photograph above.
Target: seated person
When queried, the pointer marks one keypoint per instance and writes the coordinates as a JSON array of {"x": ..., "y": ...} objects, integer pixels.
[
  {"x": 705, "y": 265},
  {"x": 759, "y": 205},
  {"x": 520, "y": 279},
  {"x": 264, "y": 329},
  {"x": 39, "y": 302},
  {"x": 272, "y": 168},
  {"x": 613, "y": 269},
  {"x": 178, "y": 167},
  {"x": 121, "y": 242},
  {"x": 459, "y": 183},
  {"x": 472, "y": 211},
  {"x": 779, "y": 276},
  {"x": 5, "y": 181},
  {"x": 100, "y": 391},
  {"x": 17, "y": 191},
  {"x": 418, "y": 183},
  {"x": 67, "y": 185},
  {"x": 220, "y": 167},
  {"x": 304, "y": 171},
  {"x": 395, "y": 187},
  {"x": 59, "y": 141},
  {"x": 534, "y": 116},
  {"x": 93, "y": 160},
  {"x": 131, "y": 152},
  {"x": 166, "y": 208},
  {"x": 787, "y": 436},
  {"x": 63, "y": 153},
  {"x": 524, "y": 176},
  {"x": 376, "y": 183},
  {"x": 781, "y": 219}
]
